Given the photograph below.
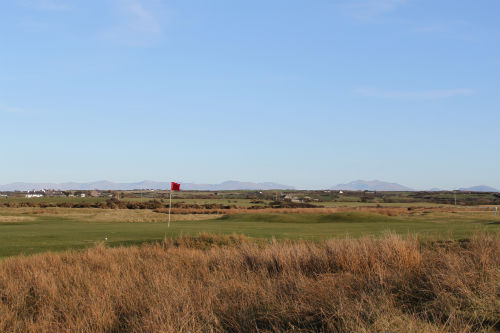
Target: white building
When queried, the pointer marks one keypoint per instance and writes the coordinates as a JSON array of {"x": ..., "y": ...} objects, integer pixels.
[{"x": 34, "y": 195}]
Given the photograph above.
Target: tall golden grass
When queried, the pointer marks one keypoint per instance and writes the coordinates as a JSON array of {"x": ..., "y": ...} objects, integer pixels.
[{"x": 230, "y": 284}]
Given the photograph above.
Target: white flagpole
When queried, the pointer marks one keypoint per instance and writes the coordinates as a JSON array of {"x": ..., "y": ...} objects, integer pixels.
[{"x": 169, "y": 207}]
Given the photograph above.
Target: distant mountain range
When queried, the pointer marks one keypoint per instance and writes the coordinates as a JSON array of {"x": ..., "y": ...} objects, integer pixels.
[
  {"x": 479, "y": 188},
  {"x": 230, "y": 185},
  {"x": 146, "y": 184},
  {"x": 372, "y": 185},
  {"x": 377, "y": 185}
]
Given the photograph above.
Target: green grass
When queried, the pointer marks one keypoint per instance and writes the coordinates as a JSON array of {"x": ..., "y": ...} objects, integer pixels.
[{"x": 54, "y": 233}]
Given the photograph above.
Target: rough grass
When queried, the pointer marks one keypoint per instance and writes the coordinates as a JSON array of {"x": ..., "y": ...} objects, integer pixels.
[
  {"x": 15, "y": 218},
  {"x": 229, "y": 284},
  {"x": 100, "y": 215}
]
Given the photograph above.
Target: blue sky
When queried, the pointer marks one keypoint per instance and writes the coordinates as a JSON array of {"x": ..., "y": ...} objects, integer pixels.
[{"x": 305, "y": 93}]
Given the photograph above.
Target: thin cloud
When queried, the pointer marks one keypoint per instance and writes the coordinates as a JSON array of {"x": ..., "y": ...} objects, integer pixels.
[
  {"x": 369, "y": 10},
  {"x": 453, "y": 30},
  {"x": 417, "y": 95},
  {"x": 12, "y": 109},
  {"x": 137, "y": 23},
  {"x": 48, "y": 5},
  {"x": 433, "y": 28}
]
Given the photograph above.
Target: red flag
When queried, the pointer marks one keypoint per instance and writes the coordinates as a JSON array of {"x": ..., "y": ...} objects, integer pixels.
[{"x": 175, "y": 186}]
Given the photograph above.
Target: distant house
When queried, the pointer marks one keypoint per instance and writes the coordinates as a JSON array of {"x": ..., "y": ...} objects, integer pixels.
[
  {"x": 290, "y": 197},
  {"x": 54, "y": 193},
  {"x": 34, "y": 195},
  {"x": 82, "y": 195},
  {"x": 3, "y": 195},
  {"x": 95, "y": 193}
]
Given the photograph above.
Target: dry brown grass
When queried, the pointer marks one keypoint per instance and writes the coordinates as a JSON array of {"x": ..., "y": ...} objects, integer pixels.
[
  {"x": 15, "y": 218},
  {"x": 183, "y": 214},
  {"x": 122, "y": 215},
  {"x": 102, "y": 215},
  {"x": 229, "y": 284}
]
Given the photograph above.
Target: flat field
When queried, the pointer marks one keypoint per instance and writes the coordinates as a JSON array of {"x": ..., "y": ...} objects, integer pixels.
[{"x": 30, "y": 230}]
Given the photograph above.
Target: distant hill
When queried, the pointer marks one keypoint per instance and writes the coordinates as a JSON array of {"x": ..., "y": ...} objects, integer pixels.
[
  {"x": 373, "y": 185},
  {"x": 237, "y": 185},
  {"x": 479, "y": 188},
  {"x": 146, "y": 184}
]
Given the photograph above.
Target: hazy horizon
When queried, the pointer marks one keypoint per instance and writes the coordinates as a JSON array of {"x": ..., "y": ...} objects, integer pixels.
[
  {"x": 257, "y": 182},
  {"x": 298, "y": 93}
]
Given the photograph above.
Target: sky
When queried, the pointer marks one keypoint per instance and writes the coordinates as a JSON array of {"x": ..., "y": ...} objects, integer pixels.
[{"x": 303, "y": 93}]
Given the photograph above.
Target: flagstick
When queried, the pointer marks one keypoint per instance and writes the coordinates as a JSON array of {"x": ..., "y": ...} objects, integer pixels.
[{"x": 169, "y": 208}]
